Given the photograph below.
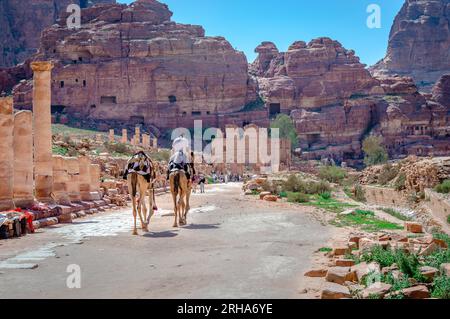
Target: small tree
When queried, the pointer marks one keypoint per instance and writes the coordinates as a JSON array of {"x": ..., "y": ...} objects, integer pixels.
[
  {"x": 374, "y": 151},
  {"x": 287, "y": 128}
]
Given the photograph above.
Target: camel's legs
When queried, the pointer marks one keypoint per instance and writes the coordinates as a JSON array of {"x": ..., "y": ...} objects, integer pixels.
[
  {"x": 175, "y": 209},
  {"x": 150, "y": 203},
  {"x": 133, "y": 200},
  {"x": 182, "y": 207},
  {"x": 142, "y": 192}
]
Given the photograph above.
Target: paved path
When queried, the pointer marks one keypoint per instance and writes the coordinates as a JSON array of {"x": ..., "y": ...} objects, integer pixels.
[{"x": 234, "y": 247}]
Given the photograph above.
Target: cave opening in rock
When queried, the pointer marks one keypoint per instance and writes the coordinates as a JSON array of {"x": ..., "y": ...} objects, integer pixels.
[
  {"x": 108, "y": 100},
  {"x": 274, "y": 109},
  {"x": 172, "y": 99},
  {"x": 57, "y": 109}
]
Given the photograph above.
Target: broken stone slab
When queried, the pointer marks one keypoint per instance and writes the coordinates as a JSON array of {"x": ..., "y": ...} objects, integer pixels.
[
  {"x": 317, "y": 273},
  {"x": 417, "y": 292},
  {"x": 270, "y": 198},
  {"x": 430, "y": 249},
  {"x": 378, "y": 289},
  {"x": 87, "y": 205},
  {"x": 429, "y": 272},
  {"x": 335, "y": 291},
  {"x": 366, "y": 244},
  {"x": 65, "y": 218},
  {"x": 413, "y": 227},
  {"x": 341, "y": 250},
  {"x": 445, "y": 269},
  {"x": 363, "y": 269},
  {"x": 345, "y": 262},
  {"x": 264, "y": 194},
  {"x": 340, "y": 275}
]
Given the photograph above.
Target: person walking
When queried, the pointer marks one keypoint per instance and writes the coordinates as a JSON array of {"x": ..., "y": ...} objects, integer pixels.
[{"x": 202, "y": 182}]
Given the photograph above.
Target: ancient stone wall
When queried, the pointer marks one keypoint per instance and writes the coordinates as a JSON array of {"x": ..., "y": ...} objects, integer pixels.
[
  {"x": 386, "y": 197},
  {"x": 438, "y": 205}
]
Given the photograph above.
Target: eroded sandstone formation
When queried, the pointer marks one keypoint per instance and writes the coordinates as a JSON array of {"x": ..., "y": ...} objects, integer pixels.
[
  {"x": 419, "y": 42},
  {"x": 312, "y": 75},
  {"x": 133, "y": 64},
  {"x": 22, "y": 22},
  {"x": 335, "y": 102}
]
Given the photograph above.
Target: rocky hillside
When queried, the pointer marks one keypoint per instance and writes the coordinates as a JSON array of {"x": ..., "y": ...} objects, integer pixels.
[
  {"x": 335, "y": 102},
  {"x": 22, "y": 22},
  {"x": 419, "y": 42},
  {"x": 132, "y": 63}
]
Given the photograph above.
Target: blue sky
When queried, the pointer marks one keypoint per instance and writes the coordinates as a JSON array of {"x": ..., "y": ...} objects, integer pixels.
[{"x": 246, "y": 23}]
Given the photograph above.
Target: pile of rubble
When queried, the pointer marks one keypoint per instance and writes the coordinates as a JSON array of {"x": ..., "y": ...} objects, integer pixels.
[
  {"x": 347, "y": 277},
  {"x": 418, "y": 174},
  {"x": 116, "y": 192}
]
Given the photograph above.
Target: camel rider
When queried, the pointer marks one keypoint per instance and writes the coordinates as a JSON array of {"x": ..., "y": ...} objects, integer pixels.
[{"x": 179, "y": 159}]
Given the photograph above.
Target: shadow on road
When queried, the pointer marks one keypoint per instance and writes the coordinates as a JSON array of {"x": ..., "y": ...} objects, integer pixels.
[
  {"x": 202, "y": 227},
  {"x": 164, "y": 234}
]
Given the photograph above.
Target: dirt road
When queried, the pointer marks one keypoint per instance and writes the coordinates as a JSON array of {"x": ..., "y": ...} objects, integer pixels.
[{"x": 234, "y": 247}]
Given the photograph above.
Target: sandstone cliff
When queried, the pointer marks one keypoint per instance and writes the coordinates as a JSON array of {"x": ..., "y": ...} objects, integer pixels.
[
  {"x": 419, "y": 43},
  {"x": 21, "y": 24},
  {"x": 133, "y": 64},
  {"x": 336, "y": 103}
]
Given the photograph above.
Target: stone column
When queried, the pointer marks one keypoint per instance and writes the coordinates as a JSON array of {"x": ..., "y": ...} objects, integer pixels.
[
  {"x": 84, "y": 178},
  {"x": 60, "y": 180},
  {"x": 124, "y": 136},
  {"x": 95, "y": 174},
  {"x": 43, "y": 170},
  {"x": 6, "y": 153},
  {"x": 146, "y": 140},
  {"x": 155, "y": 143},
  {"x": 111, "y": 136},
  {"x": 23, "y": 159},
  {"x": 137, "y": 136},
  {"x": 73, "y": 187}
]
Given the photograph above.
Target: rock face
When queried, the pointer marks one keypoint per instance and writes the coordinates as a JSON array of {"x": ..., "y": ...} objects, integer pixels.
[
  {"x": 22, "y": 25},
  {"x": 419, "y": 42},
  {"x": 335, "y": 102},
  {"x": 131, "y": 63},
  {"x": 312, "y": 75}
]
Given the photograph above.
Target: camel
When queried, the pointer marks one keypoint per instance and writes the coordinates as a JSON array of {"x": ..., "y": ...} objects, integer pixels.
[
  {"x": 137, "y": 183},
  {"x": 181, "y": 188}
]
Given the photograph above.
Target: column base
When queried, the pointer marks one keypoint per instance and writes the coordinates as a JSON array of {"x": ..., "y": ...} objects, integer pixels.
[
  {"x": 24, "y": 202},
  {"x": 6, "y": 204}
]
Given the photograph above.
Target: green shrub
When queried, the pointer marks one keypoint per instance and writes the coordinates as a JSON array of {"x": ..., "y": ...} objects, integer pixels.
[
  {"x": 441, "y": 287},
  {"x": 448, "y": 219},
  {"x": 59, "y": 150},
  {"x": 443, "y": 188},
  {"x": 325, "y": 195},
  {"x": 297, "y": 197},
  {"x": 292, "y": 184},
  {"x": 374, "y": 151},
  {"x": 400, "y": 182},
  {"x": 332, "y": 174},
  {"x": 296, "y": 185},
  {"x": 325, "y": 250},
  {"x": 359, "y": 193},
  {"x": 283, "y": 194},
  {"x": 287, "y": 129},
  {"x": 388, "y": 173}
]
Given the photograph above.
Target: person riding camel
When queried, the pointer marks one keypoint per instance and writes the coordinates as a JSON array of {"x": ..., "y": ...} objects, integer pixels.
[{"x": 179, "y": 159}]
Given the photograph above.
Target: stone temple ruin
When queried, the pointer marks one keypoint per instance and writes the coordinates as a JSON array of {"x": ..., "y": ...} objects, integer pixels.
[{"x": 28, "y": 170}]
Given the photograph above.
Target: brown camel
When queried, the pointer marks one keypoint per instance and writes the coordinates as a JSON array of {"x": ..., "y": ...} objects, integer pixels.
[
  {"x": 138, "y": 184},
  {"x": 179, "y": 189}
]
